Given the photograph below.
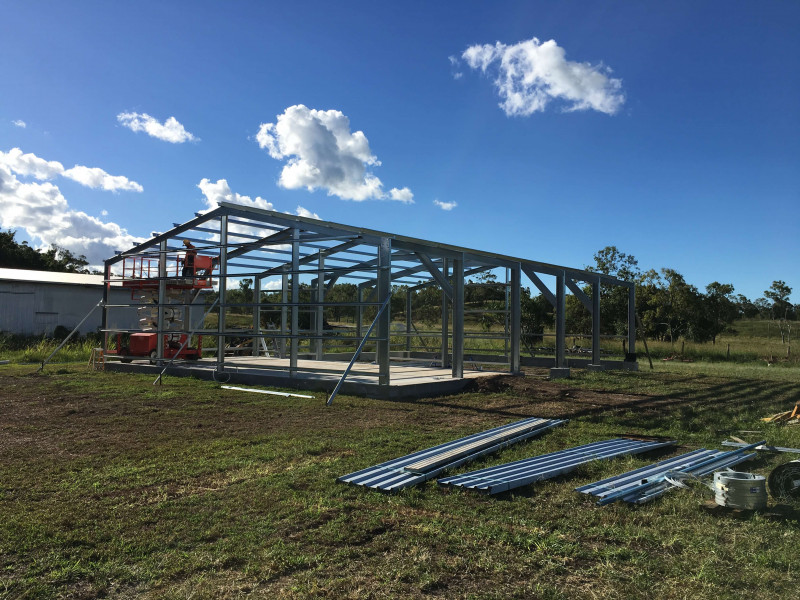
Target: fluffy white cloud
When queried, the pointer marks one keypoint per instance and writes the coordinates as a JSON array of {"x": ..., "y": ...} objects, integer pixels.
[
  {"x": 220, "y": 191},
  {"x": 445, "y": 205},
  {"x": 322, "y": 153},
  {"x": 169, "y": 131},
  {"x": 304, "y": 212},
  {"x": 403, "y": 195},
  {"x": 34, "y": 166},
  {"x": 19, "y": 123},
  {"x": 97, "y": 178},
  {"x": 531, "y": 73},
  {"x": 43, "y": 212},
  {"x": 30, "y": 164}
]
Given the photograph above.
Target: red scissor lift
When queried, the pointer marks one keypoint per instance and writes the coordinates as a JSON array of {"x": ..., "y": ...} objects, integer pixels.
[{"x": 191, "y": 272}]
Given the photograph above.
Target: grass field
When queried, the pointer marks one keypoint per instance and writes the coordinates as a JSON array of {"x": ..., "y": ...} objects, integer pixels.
[{"x": 110, "y": 487}]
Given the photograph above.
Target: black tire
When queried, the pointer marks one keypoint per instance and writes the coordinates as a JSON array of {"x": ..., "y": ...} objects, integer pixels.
[{"x": 153, "y": 357}]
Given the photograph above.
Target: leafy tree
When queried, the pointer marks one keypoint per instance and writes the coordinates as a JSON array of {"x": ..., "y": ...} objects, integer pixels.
[
  {"x": 720, "y": 310},
  {"x": 18, "y": 255},
  {"x": 781, "y": 310}
]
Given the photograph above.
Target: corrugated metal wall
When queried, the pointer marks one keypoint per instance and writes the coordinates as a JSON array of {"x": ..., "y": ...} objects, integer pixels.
[{"x": 38, "y": 308}]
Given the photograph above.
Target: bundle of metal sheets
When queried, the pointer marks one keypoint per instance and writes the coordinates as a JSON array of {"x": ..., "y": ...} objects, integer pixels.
[
  {"x": 494, "y": 480},
  {"x": 420, "y": 466},
  {"x": 650, "y": 482}
]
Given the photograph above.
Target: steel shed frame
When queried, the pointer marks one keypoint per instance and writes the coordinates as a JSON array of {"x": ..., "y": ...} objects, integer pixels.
[{"x": 289, "y": 256}]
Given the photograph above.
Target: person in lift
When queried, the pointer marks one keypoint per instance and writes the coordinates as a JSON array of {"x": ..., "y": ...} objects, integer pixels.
[{"x": 188, "y": 260}]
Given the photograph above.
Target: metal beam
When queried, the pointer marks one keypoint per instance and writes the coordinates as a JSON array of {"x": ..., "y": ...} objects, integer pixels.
[
  {"x": 223, "y": 290},
  {"x": 516, "y": 318},
  {"x": 596, "y": 321},
  {"x": 257, "y": 315},
  {"x": 309, "y": 258},
  {"x": 458, "y": 318},
  {"x": 385, "y": 321},
  {"x": 561, "y": 324},
  {"x": 579, "y": 294},
  {"x": 543, "y": 289},
  {"x": 295, "y": 325},
  {"x": 437, "y": 274}
]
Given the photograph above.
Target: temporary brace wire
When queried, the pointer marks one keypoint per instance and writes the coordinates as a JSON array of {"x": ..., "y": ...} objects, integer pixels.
[
  {"x": 358, "y": 350},
  {"x": 66, "y": 339}
]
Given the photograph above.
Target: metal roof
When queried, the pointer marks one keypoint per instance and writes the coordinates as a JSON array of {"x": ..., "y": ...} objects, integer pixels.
[
  {"x": 509, "y": 476},
  {"x": 650, "y": 482},
  {"x": 426, "y": 464},
  {"x": 50, "y": 277}
]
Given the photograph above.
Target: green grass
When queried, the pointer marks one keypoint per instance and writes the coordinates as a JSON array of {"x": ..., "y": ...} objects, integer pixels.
[{"x": 112, "y": 487}]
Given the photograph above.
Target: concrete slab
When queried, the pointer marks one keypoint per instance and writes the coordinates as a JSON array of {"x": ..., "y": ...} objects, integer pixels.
[
  {"x": 562, "y": 373},
  {"x": 409, "y": 379}
]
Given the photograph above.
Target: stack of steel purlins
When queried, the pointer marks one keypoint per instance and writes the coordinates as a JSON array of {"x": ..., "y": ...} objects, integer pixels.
[
  {"x": 416, "y": 468},
  {"x": 650, "y": 482},
  {"x": 494, "y": 480}
]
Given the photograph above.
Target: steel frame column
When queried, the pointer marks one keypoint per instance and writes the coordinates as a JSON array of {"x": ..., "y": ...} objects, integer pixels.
[
  {"x": 104, "y": 316},
  {"x": 561, "y": 319},
  {"x": 320, "y": 313},
  {"x": 516, "y": 318},
  {"x": 445, "y": 314},
  {"x": 632, "y": 320},
  {"x": 458, "y": 318},
  {"x": 223, "y": 290},
  {"x": 162, "y": 299},
  {"x": 359, "y": 310},
  {"x": 257, "y": 316},
  {"x": 409, "y": 321},
  {"x": 385, "y": 320},
  {"x": 284, "y": 311},
  {"x": 596, "y": 322},
  {"x": 294, "y": 342}
]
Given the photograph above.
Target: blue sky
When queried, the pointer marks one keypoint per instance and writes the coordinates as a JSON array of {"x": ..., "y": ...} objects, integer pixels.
[{"x": 677, "y": 138}]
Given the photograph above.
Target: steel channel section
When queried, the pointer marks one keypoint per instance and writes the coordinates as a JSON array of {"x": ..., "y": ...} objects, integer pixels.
[
  {"x": 295, "y": 311},
  {"x": 409, "y": 322},
  {"x": 646, "y": 483},
  {"x": 445, "y": 315},
  {"x": 223, "y": 290},
  {"x": 561, "y": 324},
  {"x": 257, "y": 316},
  {"x": 391, "y": 476},
  {"x": 458, "y": 318},
  {"x": 502, "y": 478},
  {"x": 632, "y": 319},
  {"x": 385, "y": 321},
  {"x": 516, "y": 319},
  {"x": 162, "y": 299},
  {"x": 320, "y": 311},
  {"x": 284, "y": 312},
  {"x": 596, "y": 321}
]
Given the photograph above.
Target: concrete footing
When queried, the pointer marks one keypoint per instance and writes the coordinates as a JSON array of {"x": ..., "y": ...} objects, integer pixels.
[
  {"x": 559, "y": 373},
  {"x": 596, "y": 367}
]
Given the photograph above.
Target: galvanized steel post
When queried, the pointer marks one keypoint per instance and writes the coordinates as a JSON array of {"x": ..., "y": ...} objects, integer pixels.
[
  {"x": 385, "y": 321},
  {"x": 632, "y": 320},
  {"x": 561, "y": 319},
  {"x": 295, "y": 325},
  {"x": 162, "y": 298},
  {"x": 284, "y": 311},
  {"x": 516, "y": 318},
  {"x": 458, "y": 318},
  {"x": 596, "y": 322},
  {"x": 445, "y": 314},
  {"x": 223, "y": 290},
  {"x": 409, "y": 321},
  {"x": 320, "y": 313},
  {"x": 257, "y": 315}
]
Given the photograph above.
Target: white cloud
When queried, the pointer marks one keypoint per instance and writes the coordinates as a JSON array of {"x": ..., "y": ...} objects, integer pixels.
[
  {"x": 304, "y": 212},
  {"x": 402, "y": 195},
  {"x": 19, "y": 123},
  {"x": 445, "y": 205},
  {"x": 43, "y": 212},
  {"x": 31, "y": 165},
  {"x": 168, "y": 131},
  {"x": 220, "y": 191},
  {"x": 97, "y": 178},
  {"x": 322, "y": 153},
  {"x": 531, "y": 73}
]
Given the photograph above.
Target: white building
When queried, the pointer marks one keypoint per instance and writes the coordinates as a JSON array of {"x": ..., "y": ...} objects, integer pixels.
[{"x": 36, "y": 302}]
